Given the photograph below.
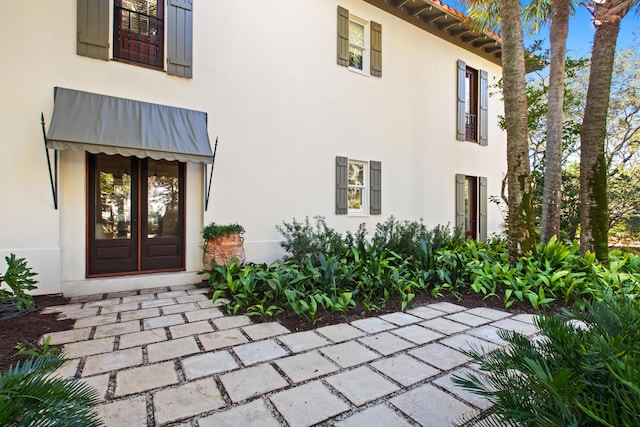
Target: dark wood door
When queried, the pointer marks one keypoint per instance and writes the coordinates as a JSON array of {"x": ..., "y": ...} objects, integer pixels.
[{"x": 136, "y": 215}]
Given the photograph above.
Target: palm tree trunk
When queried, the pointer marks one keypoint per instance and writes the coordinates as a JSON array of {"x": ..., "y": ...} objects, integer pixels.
[
  {"x": 594, "y": 213},
  {"x": 552, "y": 192},
  {"x": 520, "y": 233}
]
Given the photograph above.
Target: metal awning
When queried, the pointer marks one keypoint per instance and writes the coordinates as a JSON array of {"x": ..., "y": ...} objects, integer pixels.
[{"x": 84, "y": 121}]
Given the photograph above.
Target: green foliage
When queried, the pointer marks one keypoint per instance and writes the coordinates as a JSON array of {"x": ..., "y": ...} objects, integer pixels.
[
  {"x": 583, "y": 371},
  {"x": 30, "y": 395},
  {"x": 303, "y": 240},
  {"x": 214, "y": 230},
  {"x": 26, "y": 348},
  {"x": 19, "y": 278}
]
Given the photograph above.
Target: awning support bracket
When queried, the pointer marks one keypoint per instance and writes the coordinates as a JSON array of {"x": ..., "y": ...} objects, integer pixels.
[
  {"x": 53, "y": 174},
  {"x": 208, "y": 187}
]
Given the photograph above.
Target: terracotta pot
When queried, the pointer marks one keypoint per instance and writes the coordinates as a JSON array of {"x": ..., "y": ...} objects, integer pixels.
[{"x": 223, "y": 250}]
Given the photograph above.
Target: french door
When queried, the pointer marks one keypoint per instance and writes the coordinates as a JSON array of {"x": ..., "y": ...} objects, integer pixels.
[{"x": 135, "y": 215}]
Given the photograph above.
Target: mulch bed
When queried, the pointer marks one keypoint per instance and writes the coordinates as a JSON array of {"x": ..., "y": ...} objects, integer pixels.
[{"x": 30, "y": 327}]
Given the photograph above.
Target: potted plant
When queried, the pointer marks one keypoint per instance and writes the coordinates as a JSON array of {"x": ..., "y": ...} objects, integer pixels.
[{"x": 222, "y": 244}]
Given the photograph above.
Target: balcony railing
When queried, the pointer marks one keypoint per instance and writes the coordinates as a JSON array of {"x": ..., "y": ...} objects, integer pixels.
[
  {"x": 471, "y": 127},
  {"x": 139, "y": 37}
]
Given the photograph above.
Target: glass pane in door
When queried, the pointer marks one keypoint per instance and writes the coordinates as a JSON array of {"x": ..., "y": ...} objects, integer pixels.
[
  {"x": 113, "y": 206},
  {"x": 163, "y": 189}
]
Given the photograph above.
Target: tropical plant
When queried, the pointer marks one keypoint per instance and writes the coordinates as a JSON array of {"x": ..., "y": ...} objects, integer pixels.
[
  {"x": 583, "y": 370},
  {"x": 32, "y": 395},
  {"x": 19, "y": 278},
  {"x": 214, "y": 230}
]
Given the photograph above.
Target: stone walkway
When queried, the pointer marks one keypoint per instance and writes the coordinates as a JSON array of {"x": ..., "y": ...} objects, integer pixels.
[{"x": 168, "y": 356}]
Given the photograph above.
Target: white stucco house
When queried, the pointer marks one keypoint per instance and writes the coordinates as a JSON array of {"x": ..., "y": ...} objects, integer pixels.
[{"x": 350, "y": 109}]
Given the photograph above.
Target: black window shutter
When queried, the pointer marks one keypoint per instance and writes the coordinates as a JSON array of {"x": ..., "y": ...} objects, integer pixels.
[
  {"x": 376, "y": 49},
  {"x": 375, "y": 182},
  {"x": 461, "y": 131},
  {"x": 92, "y": 38},
  {"x": 179, "y": 27},
  {"x": 482, "y": 209},
  {"x": 460, "y": 182},
  {"x": 484, "y": 108},
  {"x": 343, "y": 36},
  {"x": 342, "y": 166}
]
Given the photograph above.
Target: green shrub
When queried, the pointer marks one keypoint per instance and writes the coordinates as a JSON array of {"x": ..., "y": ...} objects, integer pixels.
[
  {"x": 214, "y": 230},
  {"x": 19, "y": 278},
  {"x": 303, "y": 240},
  {"x": 31, "y": 395},
  {"x": 584, "y": 369}
]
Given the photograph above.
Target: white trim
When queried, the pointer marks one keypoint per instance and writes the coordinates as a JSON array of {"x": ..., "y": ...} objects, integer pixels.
[
  {"x": 364, "y": 210},
  {"x": 366, "y": 49}
]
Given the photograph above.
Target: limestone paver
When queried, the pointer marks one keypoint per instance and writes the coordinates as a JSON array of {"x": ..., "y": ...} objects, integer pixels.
[
  {"x": 111, "y": 361},
  {"x": 386, "y": 343},
  {"x": 489, "y": 313},
  {"x": 340, "y": 332},
  {"x": 401, "y": 319},
  {"x": 186, "y": 329},
  {"x": 259, "y": 351},
  {"x": 440, "y": 356},
  {"x": 61, "y": 308},
  {"x": 172, "y": 349},
  {"x": 100, "y": 383},
  {"x": 157, "y": 303},
  {"x": 308, "y": 404},
  {"x": 221, "y": 339},
  {"x": 86, "y": 298},
  {"x": 77, "y": 314},
  {"x": 361, "y": 385},
  {"x": 72, "y": 335},
  {"x": 87, "y": 348},
  {"x": 487, "y": 333},
  {"x": 163, "y": 321},
  {"x": 431, "y": 406},
  {"x": 525, "y": 317},
  {"x": 191, "y": 298},
  {"x": 120, "y": 294},
  {"x": 142, "y": 338},
  {"x": 206, "y": 304},
  {"x": 426, "y": 312},
  {"x": 179, "y": 308},
  {"x": 153, "y": 290},
  {"x": 129, "y": 412},
  {"x": 209, "y": 313},
  {"x": 264, "y": 330},
  {"x": 253, "y": 414},
  {"x": 378, "y": 415},
  {"x": 306, "y": 366},
  {"x": 468, "y": 319},
  {"x": 173, "y": 293},
  {"x": 404, "y": 369},
  {"x": 517, "y": 326},
  {"x": 117, "y": 329},
  {"x": 145, "y": 378},
  {"x": 447, "y": 307},
  {"x": 373, "y": 325},
  {"x": 206, "y": 364},
  {"x": 102, "y": 303},
  {"x": 349, "y": 354},
  {"x": 138, "y": 298},
  {"x": 466, "y": 342},
  {"x": 253, "y": 381},
  {"x": 231, "y": 322},
  {"x": 417, "y": 334},
  {"x": 444, "y": 326},
  {"x": 446, "y": 382},
  {"x": 105, "y": 319},
  {"x": 119, "y": 307},
  {"x": 302, "y": 341},
  {"x": 68, "y": 369},
  {"x": 139, "y": 314},
  {"x": 186, "y": 400}
]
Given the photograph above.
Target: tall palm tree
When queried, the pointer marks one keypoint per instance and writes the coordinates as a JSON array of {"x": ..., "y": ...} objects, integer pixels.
[
  {"x": 594, "y": 213},
  {"x": 552, "y": 191}
]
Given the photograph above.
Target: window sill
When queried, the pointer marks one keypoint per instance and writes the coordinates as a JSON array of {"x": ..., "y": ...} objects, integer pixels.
[
  {"x": 358, "y": 214},
  {"x": 362, "y": 73},
  {"x": 138, "y": 64}
]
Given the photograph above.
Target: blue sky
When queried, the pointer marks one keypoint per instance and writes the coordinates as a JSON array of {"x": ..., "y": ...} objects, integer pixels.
[{"x": 581, "y": 30}]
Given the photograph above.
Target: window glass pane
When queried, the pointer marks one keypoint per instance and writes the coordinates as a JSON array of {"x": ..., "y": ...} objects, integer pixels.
[
  {"x": 113, "y": 213},
  {"x": 356, "y": 34},
  {"x": 467, "y": 93},
  {"x": 162, "y": 204},
  {"x": 355, "y": 198},
  {"x": 355, "y": 57},
  {"x": 467, "y": 207},
  {"x": 140, "y": 16},
  {"x": 356, "y": 174}
]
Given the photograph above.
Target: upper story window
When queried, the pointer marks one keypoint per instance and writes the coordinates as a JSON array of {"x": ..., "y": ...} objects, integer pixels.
[
  {"x": 473, "y": 100},
  {"x": 359, "y": 43},
  {"x": 138, "y": 34}
]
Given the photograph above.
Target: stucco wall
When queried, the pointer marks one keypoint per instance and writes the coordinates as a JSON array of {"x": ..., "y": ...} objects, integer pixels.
[{"x": 266, "y": 74}]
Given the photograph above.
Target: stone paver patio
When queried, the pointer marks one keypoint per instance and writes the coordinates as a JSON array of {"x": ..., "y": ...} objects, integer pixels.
[{"x": 168, "y": 356}]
